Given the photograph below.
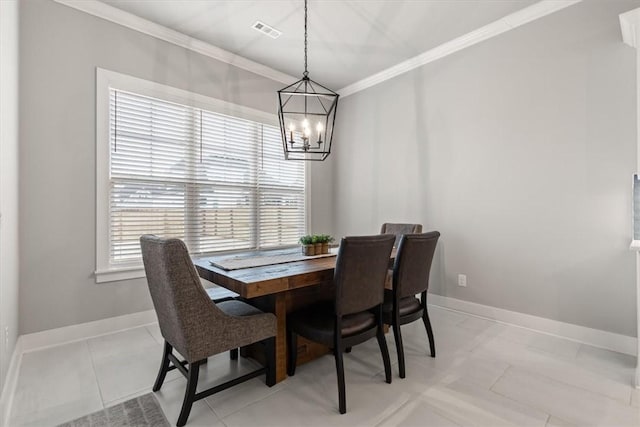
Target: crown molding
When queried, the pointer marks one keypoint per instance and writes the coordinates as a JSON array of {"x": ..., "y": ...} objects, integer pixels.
[
  {"x": 507, "y": 23},
  {"x": 630, "y": 27},
  {"x": 502, "y": 25},
  {"x": 134, "y": 22}
]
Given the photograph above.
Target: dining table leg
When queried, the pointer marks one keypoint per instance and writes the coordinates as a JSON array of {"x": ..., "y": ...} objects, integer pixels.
[
  {"x": 280, "y": 310},
  {"x": 276, "y": 304}
]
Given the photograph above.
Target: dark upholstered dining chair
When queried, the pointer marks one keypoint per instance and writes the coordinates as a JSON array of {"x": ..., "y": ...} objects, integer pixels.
[
  {"x": 355, "y": 315},
  {"x": 399, "y": 230},
  {"x": 410, "y": 277},
  {"x": 196, "y": 326}
]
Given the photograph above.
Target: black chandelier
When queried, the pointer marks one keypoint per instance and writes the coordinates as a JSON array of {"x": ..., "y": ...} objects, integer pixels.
[{"x": 307, "y": 114}]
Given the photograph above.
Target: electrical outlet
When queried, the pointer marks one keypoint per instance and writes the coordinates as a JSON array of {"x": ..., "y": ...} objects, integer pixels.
[{"x": 462, "y": 280}]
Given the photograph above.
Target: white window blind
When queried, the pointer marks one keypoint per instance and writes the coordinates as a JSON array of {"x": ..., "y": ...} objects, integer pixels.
[{"x": 218, "y": 182}]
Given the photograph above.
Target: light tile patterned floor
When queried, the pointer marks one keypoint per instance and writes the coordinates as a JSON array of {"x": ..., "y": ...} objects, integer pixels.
[{"x": 486, "y": 374}]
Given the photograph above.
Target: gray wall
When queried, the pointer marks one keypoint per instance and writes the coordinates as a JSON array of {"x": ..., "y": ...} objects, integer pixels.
[
  {"x": 8, "y": 184},
  {"x": 520, "y": 151},
  {"x": 60, "y": 48}
]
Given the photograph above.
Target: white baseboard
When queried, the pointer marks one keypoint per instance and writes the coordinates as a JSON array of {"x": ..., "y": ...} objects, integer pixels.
[
  {"x": 595, "y": 337},
  {"x": 11, "y": 380},
  {"x": 82, "y": 331}
]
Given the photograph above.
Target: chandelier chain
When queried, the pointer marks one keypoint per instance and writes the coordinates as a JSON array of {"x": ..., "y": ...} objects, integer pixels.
[{"x": 306, "y": 73}]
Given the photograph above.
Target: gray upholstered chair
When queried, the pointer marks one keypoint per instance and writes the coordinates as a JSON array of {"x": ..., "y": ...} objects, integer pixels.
[
  {"x": 196, "y": 326},
  {"x": 399, "y": 230},
  {"x": 355, "y": 315},
  {"x": 410, "y": 277}
]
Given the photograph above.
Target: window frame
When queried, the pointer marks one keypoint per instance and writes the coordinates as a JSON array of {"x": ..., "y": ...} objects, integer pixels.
[{"x": 106, "y": 80}]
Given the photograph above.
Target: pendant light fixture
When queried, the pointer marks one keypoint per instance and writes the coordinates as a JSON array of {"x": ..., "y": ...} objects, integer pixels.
[{"x": 307, "y": 114}]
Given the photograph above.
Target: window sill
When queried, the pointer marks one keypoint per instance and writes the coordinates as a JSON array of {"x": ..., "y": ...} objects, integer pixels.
[{"x": 117, "y": 274}]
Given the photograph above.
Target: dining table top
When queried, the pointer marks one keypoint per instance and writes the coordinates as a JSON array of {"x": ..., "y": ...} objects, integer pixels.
[{"x": 254, "y": 282}]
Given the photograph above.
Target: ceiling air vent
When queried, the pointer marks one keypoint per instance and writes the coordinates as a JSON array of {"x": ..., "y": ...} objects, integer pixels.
[{"x": 266, "y": 29}]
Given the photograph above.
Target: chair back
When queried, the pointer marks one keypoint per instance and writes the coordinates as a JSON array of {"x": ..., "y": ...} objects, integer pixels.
[
  {"x": 361, "y": 270},
  {"x": 399, "y": 230},
  {"x": 181, "y": 303},
  {"x": 413, "y": 263}
]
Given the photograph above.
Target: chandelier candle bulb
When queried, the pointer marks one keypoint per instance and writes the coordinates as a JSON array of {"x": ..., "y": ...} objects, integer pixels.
[{"x": 292, "y": 128}]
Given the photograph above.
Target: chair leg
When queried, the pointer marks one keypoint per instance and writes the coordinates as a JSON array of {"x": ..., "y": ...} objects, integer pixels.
[
  {"x": 385, "y": 353},
  {"x": 189, "y": 394},
  {"x": 346, "y": 350},
  {"x": 270, "y": 357},
  {"x": 342, "y": 398},
  {"x": 164, "y": 366},
  {"x": 427, "y": 325},
  {"x": 233, "y": 354},
  {"x": 397, "y": 335},
  {"x": 292, "y": 344}
]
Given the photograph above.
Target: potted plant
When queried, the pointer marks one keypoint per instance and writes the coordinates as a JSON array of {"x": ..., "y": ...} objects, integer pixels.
[
  {"x": 308, "y": 247},
  {"x": 317, "y": 243},
  {"x": 325, "y": 239}
]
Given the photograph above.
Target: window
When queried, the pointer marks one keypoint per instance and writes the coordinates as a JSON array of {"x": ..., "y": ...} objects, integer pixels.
[{"x": 198, "y": 170}]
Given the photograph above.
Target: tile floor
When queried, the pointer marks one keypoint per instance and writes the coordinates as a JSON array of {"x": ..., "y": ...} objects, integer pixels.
[{"x": 486, "y": 374}]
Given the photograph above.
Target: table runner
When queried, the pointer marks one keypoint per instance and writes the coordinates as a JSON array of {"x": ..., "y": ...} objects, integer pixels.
[{"x": 253, "y": 260}]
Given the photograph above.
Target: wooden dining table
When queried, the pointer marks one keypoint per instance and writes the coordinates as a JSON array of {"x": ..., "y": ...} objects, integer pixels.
[{"x": 279, "y": 289}]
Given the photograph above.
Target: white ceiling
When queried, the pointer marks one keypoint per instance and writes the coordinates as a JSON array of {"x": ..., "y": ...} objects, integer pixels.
[{"x": 348, "y": 40}]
